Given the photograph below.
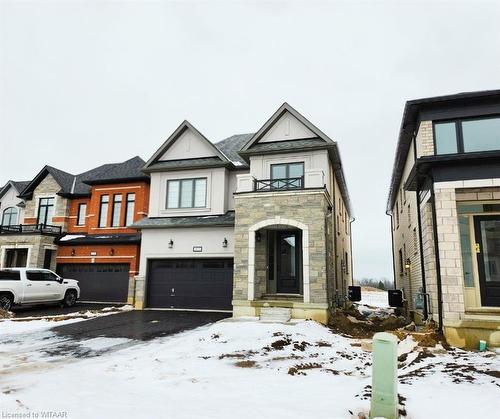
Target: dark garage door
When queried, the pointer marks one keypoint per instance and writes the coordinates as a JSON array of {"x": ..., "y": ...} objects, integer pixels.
[
  {"x": 99, "y": 282},
  {"x": 190, "y": 283}
]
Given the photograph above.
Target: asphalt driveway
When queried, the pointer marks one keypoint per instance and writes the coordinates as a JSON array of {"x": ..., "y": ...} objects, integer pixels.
[
  {"x": 139, "y": 324},
  {"x": 43, "y": 310}
]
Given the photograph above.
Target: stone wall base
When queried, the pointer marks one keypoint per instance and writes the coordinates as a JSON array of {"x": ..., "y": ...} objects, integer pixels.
[
  {"x": 307, "y": 311},
  {"x": 140, "y": 284},
  {"x": 467, "y": 333}
]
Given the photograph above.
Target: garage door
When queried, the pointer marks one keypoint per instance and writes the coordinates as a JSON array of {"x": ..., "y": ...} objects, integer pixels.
[
  {"x": 190, "y": 283},
  {"x": 99, "y": 282}
]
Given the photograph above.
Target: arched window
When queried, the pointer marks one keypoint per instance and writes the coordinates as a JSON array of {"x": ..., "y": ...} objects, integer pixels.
[{"x": 9, "y": 216}]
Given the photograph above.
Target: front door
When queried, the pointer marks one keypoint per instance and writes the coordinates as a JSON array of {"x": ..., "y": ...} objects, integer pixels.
[
  {"x": 487, "y": 231},
  {"x": 288, "y": 262}
]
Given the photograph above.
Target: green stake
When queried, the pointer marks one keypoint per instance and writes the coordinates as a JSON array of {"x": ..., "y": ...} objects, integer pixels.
[{"x": 384, "y": 401}]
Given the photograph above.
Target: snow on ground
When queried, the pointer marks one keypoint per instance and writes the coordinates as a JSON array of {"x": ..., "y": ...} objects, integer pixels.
[{"x": 240, "y": 369}]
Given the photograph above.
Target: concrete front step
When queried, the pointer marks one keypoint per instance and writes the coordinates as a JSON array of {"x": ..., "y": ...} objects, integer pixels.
[{"x": 275, "y": 314}]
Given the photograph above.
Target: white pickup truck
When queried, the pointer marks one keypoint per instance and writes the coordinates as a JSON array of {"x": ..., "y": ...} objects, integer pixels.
[{"x": 32, "y": 286}]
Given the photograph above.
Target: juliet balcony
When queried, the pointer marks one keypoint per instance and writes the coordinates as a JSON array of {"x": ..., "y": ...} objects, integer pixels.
[
  {"x": 312, "y": 179},
  {"x": 45, "y": 229}
]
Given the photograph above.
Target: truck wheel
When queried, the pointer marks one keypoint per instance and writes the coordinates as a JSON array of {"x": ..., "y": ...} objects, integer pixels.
[
  {"x": 6, "y": 302},
  {"x": 69, "y": 298}
]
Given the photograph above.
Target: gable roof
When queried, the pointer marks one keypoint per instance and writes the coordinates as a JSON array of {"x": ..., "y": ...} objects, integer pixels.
[
  {"x": 276, "y": 116},
  {"x": 151, "y": 164},
  {"x": 79, "y": 185},
  {"x": 17, "y": 185},
  {"x": 409, "y": 125}
]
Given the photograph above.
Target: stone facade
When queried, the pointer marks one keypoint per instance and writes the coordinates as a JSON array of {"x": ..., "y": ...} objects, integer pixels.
[
  {"x": 306, "y": 210},
  {"x": 425, "y": 139},
  {"x": 36, "y": 244}
]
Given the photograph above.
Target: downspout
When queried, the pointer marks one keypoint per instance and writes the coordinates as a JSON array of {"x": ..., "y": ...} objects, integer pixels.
[
  {"x": 350, "y": 245},
  {"x": 438, "y": 263},
  {"x": 334, "y": 210},
  {"x": 389, "y": 213},
  {"x": 421, "y": 244}
]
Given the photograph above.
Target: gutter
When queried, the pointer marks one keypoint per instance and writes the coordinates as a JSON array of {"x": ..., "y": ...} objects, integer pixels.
[{"x": 350, "y": 240}]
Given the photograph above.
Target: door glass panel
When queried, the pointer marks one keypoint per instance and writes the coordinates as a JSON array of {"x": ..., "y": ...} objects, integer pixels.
[
  {"x": 446, "y": 138},
  {"x": 287, "y": 256},
  {"x": 490, "y": 234},
  {"x": 481, "y": 135}
]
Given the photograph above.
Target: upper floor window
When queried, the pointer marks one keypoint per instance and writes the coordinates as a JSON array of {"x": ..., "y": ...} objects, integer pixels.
[
  {"x": 9, "y": 216},
  {"x": 187, "y": 193},
  {"x": 117, "y": 209},
  {"x": 467, "y": 135},
  {"x": 82, "y": 212},
  {"x": 129, "y": 209},
  {"x": 103, "y": 210},
  {"x": 45, "y": 210},
  {"x": 287, "y": 175}
]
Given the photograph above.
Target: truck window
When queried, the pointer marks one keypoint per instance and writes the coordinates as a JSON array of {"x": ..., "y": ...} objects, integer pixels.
[
  {"x": 49, "y": 276},
  {"x": 35, "y": 276},
  {"x": 8, "y": 275}
]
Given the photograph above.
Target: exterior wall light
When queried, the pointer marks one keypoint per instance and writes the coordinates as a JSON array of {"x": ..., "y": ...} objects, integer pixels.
[
  {"x": 73, "y": 252},
  {"x": 111, "y": 252},
  {"x": 224, "y": 242},
  {"x": 408, "y": 263},
  {"x": 170, "y": 244}
]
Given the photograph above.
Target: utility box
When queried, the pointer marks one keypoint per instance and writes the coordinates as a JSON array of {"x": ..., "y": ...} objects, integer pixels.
[
  {"x": 395, "y": 298},
  {"x": 354, "y": 293}
]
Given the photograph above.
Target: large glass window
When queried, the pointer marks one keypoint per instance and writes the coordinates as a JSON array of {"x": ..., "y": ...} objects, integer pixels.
[
  {"x": 130, "y": 209},
  {"x": 481, "y": 134},
  {"x": 467, "y": 135},
  {"x": 187, "y": 193},
  {"x": 45, "y": 210},
  {"x": 82, "y": 212},
  {"x": 9, "y": 216},
  {"x": 287, "y": 175},
  {"x": 117, "y": 209},
  {"x": 103, "y": 211},
  {"x": 446, "y": 138}
]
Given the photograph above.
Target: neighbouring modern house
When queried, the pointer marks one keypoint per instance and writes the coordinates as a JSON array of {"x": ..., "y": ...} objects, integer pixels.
[
  {"x": 444, "y": 202},
  {"x": 254, "y": 223},
  {"x": 99, "y": 249},
  {"x": 78, "y": 225}
]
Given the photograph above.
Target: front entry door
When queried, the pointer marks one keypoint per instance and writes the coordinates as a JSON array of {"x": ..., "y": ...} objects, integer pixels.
[
  {"x": 288, "y": 262},
  {"x": 487, "y": 231}
]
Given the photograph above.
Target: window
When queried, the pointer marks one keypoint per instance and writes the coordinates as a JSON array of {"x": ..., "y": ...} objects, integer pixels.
[
  {"x": 445, "y": 135},
  {"x": 9, "y": 275},
  {"x": 287, "y": 175},
  {"x": 401, "y": 266},
  {"x": 409, "y": 215},
  {"x": 187, "y": 193},
  {"x": 117, "y": 209},
  {"x": 103, "y": 210},
  {"x": 45, "y": 210},
  {"x": 9, "y": 216},
  {"x": 129, "y": 209},
  {"x": 467, "y": 135},
  {"x": 82, "y": 212},
  {"x": 481, "y": 134},
  {"x": 415, "y": 241},
  {"x": 35, "y": 276}
]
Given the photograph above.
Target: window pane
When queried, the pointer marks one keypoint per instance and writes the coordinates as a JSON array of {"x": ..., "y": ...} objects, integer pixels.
[
  {"x": 187, "y": 193},
  {"x": 296, "y": 170},
  {"x": 465, "y": 245},
  {"x": 278, "y": 171},
  {"x": 200, "y": 193},
  {"x": 117, "y": 208},
  {"x": 481, "y": 135},
  {"x": 446, "y": 138},
  {"x": 173, "y": 194},
  {"x": 129, "y": 216},
  {"x": 82, "y": 211},
  {"x": 103, "y": 214}
]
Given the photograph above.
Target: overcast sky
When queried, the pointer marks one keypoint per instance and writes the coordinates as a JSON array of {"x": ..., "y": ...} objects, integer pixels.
[{"x": 84, "y": 83}]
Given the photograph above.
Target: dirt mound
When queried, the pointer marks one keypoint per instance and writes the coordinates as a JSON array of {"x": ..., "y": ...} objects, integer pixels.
[{"x": 352, "y": 323}]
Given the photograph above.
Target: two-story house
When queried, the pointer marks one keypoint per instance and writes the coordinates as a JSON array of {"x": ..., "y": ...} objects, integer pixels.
[
  {"x": 99, "y": 248},
  {"x": 444, "y": 202},
  {"x": 254, "y": 222}
]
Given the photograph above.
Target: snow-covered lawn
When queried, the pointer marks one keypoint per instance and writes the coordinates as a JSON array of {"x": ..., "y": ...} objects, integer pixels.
[{"x": 235, "y": 369}]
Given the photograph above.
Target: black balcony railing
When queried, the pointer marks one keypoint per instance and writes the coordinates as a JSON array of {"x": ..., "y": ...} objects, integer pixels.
[
  {"x": 284, "y": 184},
  {"x": 31, "y": 229}
]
